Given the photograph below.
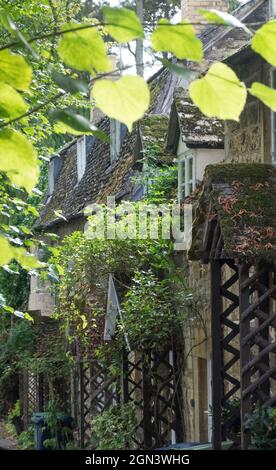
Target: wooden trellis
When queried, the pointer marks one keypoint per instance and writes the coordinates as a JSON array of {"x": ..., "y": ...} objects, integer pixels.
[
  {"x": 152, "y": 382},
  {"x": 243, "y": 334}
]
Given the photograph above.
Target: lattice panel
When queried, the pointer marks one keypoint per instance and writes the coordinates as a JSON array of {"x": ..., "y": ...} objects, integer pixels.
[
  {"x": 97, "y": 392},
  {"x": 258, "y": 342},
  {"x": 230, "y": 331},
  {"x": 151, "y": 381}
]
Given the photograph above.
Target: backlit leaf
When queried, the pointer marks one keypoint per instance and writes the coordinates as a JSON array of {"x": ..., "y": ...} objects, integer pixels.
[
  {"x": 14, "y": 70},
  {"x": 264, "y": 93},
  {"x": 221, "y": 17},
  {"x": 180, "y": 39},
  {"x": 12, "y": 104},
  {"x": 18, "y": 159},
  {"x": 219, "y": 93},
  {"x": 122, "y": 24},
  {"x": 84, "y": 50},
  {"x": 126, "y": 99},
  {"x": 263, "y": 42},
  {"x": 6, "y": 251}
]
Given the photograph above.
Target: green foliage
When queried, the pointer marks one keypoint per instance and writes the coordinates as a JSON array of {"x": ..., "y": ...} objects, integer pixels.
[
  {"x": 150, "y": 316},
  {"x": 211, "y": 93},
  {"x": 15, "y": 71},
  {"x": 113, "y": 429},
  {"x": 179, "y": 39},
  {"x": 126, "y": 99},
  {"x": 261, "y": 424},
  {"x": 122, "y": 24},
  {"x": 26, "y": 439},
  {"x": 75, "y": 124},
  {"x": 263, "y": 42},
  {"x": 75, "y": 49},
  {"x": 265, "y": 94},
  {"x": 12, "y": 104}
]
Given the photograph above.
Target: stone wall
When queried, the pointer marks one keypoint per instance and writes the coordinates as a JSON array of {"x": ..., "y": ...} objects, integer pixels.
[
  {"x": 189, "y": 9},
  {"x": 197, "y": 354},
  {"x": 250, "y": 139}
]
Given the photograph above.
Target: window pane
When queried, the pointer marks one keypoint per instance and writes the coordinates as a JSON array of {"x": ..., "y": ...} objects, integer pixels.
[
  {"x": 190, "y": 169},
  {"x": 183, "y": 170}
]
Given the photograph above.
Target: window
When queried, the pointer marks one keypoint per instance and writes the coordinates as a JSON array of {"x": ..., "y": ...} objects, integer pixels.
[
  {"x": 115, "y": 139},
  {"x": 186, "y": 176},
  {"x": 118, "y": 133},
  {"x": 273, "y": 123},
  {"x": 81, "y": 156}
]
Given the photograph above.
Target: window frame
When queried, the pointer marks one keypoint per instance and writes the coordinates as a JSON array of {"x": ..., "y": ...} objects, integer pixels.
[
  {"x": 186, "y": 185},
  {"x": 81, "y": 157}
]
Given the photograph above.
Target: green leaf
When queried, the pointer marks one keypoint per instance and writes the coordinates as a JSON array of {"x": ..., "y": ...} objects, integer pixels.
[
  {"x": 126, "y": 99},
  {"x": 14, "y": 70},
  {"x": 221, "y": 17},
  {"x": 12, "y": 104},
  {"x": 219, "y": 94},
  {"x": 6, "y": 251},
  {"x": 180, "y": 39},
  {"x": 26, "y": 260},
  {"x": 28, "y": 317},
  {"x": 84, "y": 50},
  {"x": 122, "y": 24},
  {"x": 264, "y": 93},
  {"x": 69, "y": 84},
  {"x": 179, "y": 70},
  {"x": 76, "y": 124},
  {"x": 18, "y": 159},
  {"x": 263, "y": 42}
]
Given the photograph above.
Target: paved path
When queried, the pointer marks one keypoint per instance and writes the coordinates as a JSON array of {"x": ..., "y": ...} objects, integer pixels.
[{"x": 7, "y": 442}]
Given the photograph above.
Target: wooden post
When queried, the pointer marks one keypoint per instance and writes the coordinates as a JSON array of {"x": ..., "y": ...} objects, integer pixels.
[
  {"x": 244, "y": 348},
  {"x": 147, "y": 397},
  {"x": 216, "y": 301}
]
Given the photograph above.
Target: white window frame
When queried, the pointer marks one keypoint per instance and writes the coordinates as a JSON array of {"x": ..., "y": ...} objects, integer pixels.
[
  {"x": 51, "y": 183},
  {"x": 81, "y": 157},
  {"x": 115, "y": 139},
  {"x": 184, "y": 185}
]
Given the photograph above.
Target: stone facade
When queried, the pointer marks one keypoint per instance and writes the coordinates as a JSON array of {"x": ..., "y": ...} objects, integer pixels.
[
  {"x": 249, "y": 140},
  {"x": 189, "y": 9}
]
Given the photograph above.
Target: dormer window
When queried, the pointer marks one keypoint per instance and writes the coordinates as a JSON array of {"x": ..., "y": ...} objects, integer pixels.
[
  {"x": 81, "y": 157},
  {"x": 117, "y": 135},
  {"x": 54, "y": 168},
  {"x": 115, "y": 139}
]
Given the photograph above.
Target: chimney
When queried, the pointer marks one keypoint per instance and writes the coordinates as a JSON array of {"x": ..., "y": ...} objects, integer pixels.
[{"x": 189, "y": 9}]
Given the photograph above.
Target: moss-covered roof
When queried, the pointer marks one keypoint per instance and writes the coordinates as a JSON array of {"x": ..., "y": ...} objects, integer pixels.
[
  {"x": 241, "y": 198},
  {"x": 153, "y": 132},
  {"x": 197, "y": 129}
]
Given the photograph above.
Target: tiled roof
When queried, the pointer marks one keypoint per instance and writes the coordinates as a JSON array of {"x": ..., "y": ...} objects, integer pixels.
[{"x": 197, "y": 129}]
